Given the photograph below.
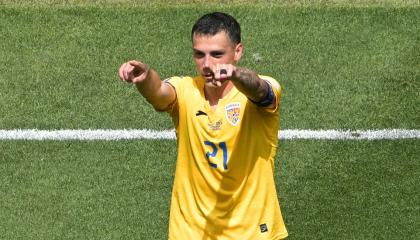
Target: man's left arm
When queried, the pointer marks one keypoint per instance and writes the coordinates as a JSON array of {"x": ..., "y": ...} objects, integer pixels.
[{"x": 256, "y": 89}]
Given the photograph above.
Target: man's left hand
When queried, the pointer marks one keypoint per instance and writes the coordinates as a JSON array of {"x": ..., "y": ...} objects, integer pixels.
[{"x": 222, "y": 72}]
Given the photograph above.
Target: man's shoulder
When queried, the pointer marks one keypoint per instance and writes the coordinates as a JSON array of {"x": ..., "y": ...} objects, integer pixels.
[
  {"x": 178, "y": 79},
  {"x": 183, "y": 81}
]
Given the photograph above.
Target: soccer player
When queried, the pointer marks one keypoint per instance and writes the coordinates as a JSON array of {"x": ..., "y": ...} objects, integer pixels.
[{"x": 226, "y": 122}]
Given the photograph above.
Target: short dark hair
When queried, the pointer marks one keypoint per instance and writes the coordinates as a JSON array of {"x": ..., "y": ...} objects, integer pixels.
[{"x": 213, "y": 23}]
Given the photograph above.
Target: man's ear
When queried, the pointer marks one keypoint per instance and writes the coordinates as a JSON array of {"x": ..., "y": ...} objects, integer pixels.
[{"x": 239, "y": 49}]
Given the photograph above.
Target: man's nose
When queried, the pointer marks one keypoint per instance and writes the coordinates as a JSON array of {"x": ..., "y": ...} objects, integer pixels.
[{"x": 207, "y": 62}]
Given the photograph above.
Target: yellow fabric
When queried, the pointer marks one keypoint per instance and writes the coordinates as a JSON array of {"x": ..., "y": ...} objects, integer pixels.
[{"x": 224, "y": 187}]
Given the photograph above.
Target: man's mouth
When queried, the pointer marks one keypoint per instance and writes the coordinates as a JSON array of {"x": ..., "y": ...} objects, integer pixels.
[{"x": 208, "y": 76}]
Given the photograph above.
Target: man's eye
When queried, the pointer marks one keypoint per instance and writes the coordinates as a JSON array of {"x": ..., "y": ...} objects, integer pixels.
[
  {"x": 217, "y": 55},
  {"x": 198, "y": 55}
]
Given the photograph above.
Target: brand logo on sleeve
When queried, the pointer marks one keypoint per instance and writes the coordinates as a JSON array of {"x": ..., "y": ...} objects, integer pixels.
[{"x": 233, "y": 112}]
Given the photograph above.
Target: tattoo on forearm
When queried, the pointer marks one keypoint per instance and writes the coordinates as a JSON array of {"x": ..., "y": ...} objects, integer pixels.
[
  {"x": 250, "y": 84},
  {"x": 248, "y": 79}
]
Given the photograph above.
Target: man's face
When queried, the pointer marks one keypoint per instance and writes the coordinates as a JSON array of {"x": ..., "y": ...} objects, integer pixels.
[{"x": 208, "y": 51}]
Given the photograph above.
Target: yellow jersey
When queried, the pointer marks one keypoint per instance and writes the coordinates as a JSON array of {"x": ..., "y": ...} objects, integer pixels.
[{"x": 224, "y": 186}]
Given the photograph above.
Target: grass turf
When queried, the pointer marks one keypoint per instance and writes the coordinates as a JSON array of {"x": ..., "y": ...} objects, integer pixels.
[
  {"x": 85, "y": 190},
  {"x": 350, "y": 190},
  {"x": 341, "y": 66},
  {"x": 352, "y": 68},
  {"x": 203, "y": 3},
  {"x": 121, "y": 190}
]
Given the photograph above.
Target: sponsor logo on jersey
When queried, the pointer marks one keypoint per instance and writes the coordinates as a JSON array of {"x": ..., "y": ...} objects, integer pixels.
[
  {"x": 233, "y": 111},
  {"x": 216, "y": 125}
]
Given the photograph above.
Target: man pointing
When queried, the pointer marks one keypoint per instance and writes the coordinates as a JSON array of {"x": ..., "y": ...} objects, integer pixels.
[{"x": 226, "y": 120}]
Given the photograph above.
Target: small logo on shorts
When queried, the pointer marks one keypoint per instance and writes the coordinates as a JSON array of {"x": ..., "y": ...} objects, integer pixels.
[{"x": 263, "y": 228}]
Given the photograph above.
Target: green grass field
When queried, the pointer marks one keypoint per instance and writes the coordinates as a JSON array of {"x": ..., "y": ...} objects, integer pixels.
[{"x": 342, "y": 64}]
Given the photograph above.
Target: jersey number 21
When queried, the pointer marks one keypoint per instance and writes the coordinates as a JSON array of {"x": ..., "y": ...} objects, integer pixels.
[{"x": 213, "y": 153}]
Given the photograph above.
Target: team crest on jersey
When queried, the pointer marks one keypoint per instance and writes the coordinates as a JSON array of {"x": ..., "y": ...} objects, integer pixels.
[{"x": 233, "y": 111}]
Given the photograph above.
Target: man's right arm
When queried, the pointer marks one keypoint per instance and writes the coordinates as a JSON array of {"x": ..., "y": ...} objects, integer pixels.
[{"x": 148, "y": 83}]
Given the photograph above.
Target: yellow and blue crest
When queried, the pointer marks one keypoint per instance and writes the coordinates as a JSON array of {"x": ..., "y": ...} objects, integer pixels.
[{"x": 233, "y": 112}]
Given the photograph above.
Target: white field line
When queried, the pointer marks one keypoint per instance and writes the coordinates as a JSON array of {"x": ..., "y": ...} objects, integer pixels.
[{"x": 124, "y": 134}]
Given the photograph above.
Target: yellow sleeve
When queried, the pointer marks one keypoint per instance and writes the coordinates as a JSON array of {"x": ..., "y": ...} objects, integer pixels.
[{"x": 173, "y": 108}]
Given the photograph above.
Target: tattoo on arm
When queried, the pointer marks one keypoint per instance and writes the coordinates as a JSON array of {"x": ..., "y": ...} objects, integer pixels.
[{"x": 250, "y": 84}]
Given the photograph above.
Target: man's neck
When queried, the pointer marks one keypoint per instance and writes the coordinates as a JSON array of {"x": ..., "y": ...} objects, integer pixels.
[{"x": 214, "y": 94}]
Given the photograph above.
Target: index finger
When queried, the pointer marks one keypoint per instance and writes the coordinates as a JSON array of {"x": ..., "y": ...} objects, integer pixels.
[
  {"x": 121, "y": 72},
  {"x": 137, "y": 64},
  {"x": 133, "y": 63}
]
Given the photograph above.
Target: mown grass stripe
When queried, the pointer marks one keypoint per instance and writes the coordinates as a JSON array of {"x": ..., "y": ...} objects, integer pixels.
[{"x": 127, "y": 134}]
